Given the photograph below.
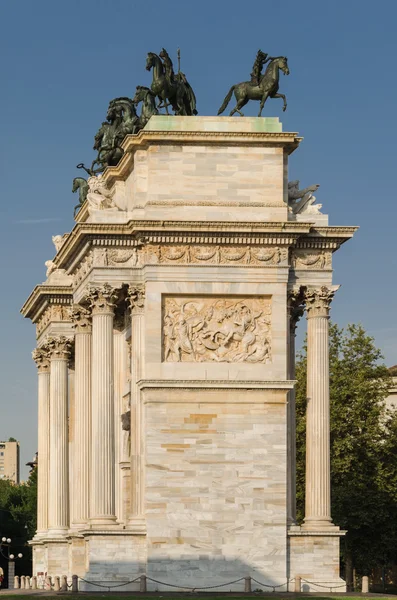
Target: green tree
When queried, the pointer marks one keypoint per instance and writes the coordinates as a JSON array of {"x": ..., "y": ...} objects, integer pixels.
[
  {"x": 18, "y": 516},
  {"x": 363, "y": 440}
]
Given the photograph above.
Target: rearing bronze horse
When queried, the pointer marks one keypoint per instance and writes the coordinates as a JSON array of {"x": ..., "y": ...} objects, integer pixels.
[{"x": 268, "y": 87}]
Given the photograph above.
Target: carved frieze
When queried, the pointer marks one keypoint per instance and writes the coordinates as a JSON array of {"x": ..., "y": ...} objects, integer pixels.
[
  {"x": 83, "y": 269},
  {"x": 54, "y": 313},
  {"x": 311, "y": 259},
  {"x": 114, "y": 257},
  {"x": 215, "y": 254},
  {"x": 208, "y": 329}
]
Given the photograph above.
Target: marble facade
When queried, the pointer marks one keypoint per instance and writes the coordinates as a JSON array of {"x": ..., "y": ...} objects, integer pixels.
[{"x": 165, "y": 355}]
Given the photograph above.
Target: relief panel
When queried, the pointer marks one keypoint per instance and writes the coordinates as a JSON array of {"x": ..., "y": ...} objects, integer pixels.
[{"x": 214, "y": 329}]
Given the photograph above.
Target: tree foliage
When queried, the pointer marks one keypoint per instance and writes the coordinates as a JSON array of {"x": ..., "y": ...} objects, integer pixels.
[
  {"x": 18, "y": 516},
  {"x": 363, "y": 448}
]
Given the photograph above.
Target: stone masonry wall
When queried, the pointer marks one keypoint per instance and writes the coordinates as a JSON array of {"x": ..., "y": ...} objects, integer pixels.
[{"x": 215, "y": 491}]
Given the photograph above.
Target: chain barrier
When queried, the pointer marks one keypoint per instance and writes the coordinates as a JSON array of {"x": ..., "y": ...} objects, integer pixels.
[
  {"x": 326, "y": 587},
  {"x": 273, "y": 587},
  {"x": 193, "y": 589},
  {"x": 110, "y": 587}
]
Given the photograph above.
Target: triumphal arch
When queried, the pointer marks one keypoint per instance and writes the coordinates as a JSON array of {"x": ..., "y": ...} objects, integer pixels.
[{"x": 165, "y": 355}]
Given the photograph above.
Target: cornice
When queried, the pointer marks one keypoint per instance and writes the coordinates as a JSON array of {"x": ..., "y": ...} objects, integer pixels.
[
  {"x": 215, "y": 384},
  {"x": 131, "y": 143},
  {"x": 140, "y": 229},
  {"x": 43, "y": 295}
]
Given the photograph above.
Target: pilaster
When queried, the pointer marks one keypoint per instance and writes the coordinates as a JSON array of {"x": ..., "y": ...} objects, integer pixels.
[{"x": 136, "y": 300}]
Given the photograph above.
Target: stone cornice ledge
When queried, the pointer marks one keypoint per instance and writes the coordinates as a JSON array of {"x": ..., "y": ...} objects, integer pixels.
[
  {"x": 145, "y": 137},
  {"x": 42, "y": 293},
  {"x": 216, "y": 384},
  {"x": 333, "y": 531},
  {"x": 139, "y": 228}
]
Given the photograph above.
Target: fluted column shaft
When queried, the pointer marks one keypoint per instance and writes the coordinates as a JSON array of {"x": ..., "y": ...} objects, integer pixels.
[
  {"x": 40, "y": 356},
  {"x": 119, "y": 350},
  {"x": 137, "y": 301},
  {"x": 102, "y": 505},
  {"x": 82, "y": 420},
  {"x": 58, "y": 509},
  {"x": 295, "y": 311},
  {"x": 318, "y": 473}
]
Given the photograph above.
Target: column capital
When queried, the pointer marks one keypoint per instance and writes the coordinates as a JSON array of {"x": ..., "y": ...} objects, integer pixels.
[
  {"x": 102, "y": 299},
  {"x": 295, "y": 306},
  {"x": 59, "y": 347},
  {"x": 136, "y": 298},
  {"x": 318, "y": 301},
  {"x": 81, "y": 317},
  {"x": 42, "y": 359}
]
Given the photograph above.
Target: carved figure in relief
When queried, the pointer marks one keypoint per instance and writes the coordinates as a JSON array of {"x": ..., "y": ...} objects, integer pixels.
[
  {"x": 98, "y": 196},
  {"x": 59, "y": 240},
  {"x": 222, "y": 331},
  {"x": 302, "y": 201},
  {"x": 51, "y": 267}
]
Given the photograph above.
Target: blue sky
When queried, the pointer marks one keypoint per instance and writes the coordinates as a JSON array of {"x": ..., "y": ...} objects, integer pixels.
[{"x": 61, "y": 63}]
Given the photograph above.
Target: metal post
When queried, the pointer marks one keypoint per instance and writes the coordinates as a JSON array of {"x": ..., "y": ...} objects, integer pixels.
[
  {"x": 142, "y": 584},
  {"x": 298, "y": 584},
  {"x": 75, "y": 584},
  {"x": 11, "y": 574}
]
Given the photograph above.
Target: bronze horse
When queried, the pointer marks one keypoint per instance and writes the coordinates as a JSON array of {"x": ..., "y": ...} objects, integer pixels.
[{"x": 268, "y": 87}]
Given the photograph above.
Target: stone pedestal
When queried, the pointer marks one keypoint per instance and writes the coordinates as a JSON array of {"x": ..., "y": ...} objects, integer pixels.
[{"x": 204, "y": 270}]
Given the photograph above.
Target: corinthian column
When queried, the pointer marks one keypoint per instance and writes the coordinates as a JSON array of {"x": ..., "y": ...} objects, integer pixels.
[
  {"x": 295, "y": 311},
  {"x": 58, "y": 509},
  {"x": 137, "y": 304},
  {"x": 318, "y": 476},
  {"x": 41, "y": 358},
  {"x": 82, "y": 419},
  {"x": 102, "y": 503}
]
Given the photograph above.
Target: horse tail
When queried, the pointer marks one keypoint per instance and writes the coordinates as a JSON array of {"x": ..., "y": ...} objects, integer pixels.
[{"x": 226, "y": 100}]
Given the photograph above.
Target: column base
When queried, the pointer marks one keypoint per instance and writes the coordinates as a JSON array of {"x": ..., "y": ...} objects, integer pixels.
[
  {"x": 318, "y": 524},
  {"x": 137, "y": 525},
  {"x": 57, "y": 534},
  {"x": 103, "y": 523}
]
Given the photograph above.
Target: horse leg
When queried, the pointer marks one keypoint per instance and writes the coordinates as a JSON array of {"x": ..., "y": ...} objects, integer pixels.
[
  {"x": 284, "y": 99},
  {"x": 241, "y": 101},
  {"x": 239, "y": 105},
  {"x": 264, "y": 98}
]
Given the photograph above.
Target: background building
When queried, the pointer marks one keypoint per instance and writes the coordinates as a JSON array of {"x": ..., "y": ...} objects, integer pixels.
[{"x": 9, "y": 461}]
